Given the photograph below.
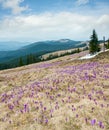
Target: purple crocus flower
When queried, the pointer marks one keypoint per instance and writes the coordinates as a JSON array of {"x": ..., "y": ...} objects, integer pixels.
[
  {"x": 76, "y": 115},
  {"x": 46, "y": 120},
  {"x": 10, "y": 107},
  {"x": 93, "y": 122},
  {"x": 26, "y": 109},
  {"x": 86, "y": 120},
  {"x": 101, "y": 124},
  {"x": 45, "y": 108}
]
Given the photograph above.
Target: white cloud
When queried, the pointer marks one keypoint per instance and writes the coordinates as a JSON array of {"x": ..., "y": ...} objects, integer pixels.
[
  {"x": 53, "y": 26},
  {"x": 82, "y": 2},
  {"x": 14, "y": 5}
]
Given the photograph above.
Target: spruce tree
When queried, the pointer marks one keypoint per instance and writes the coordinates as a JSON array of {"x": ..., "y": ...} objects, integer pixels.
[
  {"x": 31, "y": 58},
  {"x": 78, "y": 50},
  {"x": 28, "y": 60},
  {"x": 20, "y": 62},
  {"x": 93, "y": 44},
  {"x": 107, "y": 44}
]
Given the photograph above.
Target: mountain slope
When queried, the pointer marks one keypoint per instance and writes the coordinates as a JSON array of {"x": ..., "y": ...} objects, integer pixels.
[
  {"x": 39, "y": 48},
  {"x": 61, "y": 94}
]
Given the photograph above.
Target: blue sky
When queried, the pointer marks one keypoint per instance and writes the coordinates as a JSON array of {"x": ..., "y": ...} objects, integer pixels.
[{"x": 35, "y": 20}]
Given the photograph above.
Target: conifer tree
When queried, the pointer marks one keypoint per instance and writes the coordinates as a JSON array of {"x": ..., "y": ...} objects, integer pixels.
[
  {"x": 28, "y": 60},
  {"x": 107, "y": 44},
  {"x": 20, "y": 62},
  {"x": 93, "y": 44},
  {"x": 78, "y": 50}
]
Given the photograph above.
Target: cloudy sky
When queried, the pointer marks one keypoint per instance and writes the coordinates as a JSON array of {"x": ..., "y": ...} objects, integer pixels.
[{"x": 36, "y": 20}]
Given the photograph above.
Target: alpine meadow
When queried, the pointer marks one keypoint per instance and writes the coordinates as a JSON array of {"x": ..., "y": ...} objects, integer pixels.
[{"x": 54, "y": 65}]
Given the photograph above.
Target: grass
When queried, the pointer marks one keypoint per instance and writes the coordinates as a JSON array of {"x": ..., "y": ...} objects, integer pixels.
[{"x": 61, "y": 94}]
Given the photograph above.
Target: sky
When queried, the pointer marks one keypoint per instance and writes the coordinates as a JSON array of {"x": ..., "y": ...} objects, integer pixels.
[{"x": 40, "y": 20}]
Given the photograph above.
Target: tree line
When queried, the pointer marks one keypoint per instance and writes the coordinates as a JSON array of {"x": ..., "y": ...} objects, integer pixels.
[{"x": 32, "y": 58}]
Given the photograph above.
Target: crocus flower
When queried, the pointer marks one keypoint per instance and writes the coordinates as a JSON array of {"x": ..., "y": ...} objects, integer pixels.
[
  {"x": 45, "y": 108},
  {"x": 86, "y": 120},
  {"x": 101, "y": 124},
  {"x": 46, "y": 120},
  {"x": 93, "y": 122}
]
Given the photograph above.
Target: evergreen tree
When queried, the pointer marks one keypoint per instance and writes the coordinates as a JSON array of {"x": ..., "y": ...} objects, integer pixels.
[
  {"x": 93, "y": 45},
  {"x": 78, "y": 50},
  {"x": 34, "y": 58},
  {"x": 107, "y": 44},
  {"x": 20, "y": 62},
  {"x": 31, "y": 59},
  {"x": 28, "y": 60}
]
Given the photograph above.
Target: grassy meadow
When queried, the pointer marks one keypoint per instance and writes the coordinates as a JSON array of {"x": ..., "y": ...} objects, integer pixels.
[{"x": 61, "y": 94}]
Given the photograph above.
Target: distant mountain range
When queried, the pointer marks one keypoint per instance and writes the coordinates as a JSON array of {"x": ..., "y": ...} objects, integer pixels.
[{"x": 40, "y": 48}]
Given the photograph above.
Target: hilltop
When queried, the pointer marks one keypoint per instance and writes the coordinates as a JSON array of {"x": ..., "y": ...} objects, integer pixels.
[{"x": 61, "y": 94}]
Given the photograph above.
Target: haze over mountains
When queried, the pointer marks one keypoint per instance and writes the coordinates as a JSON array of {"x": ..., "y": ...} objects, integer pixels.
[
  {"x": 38, "y": 48},
  {"x": 11, "y": 45}
]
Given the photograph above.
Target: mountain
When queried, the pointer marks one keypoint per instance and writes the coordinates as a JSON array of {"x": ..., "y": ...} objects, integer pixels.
[
  {"x": 58, "y": 44},
  {"x": 39, "y": 48}
]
